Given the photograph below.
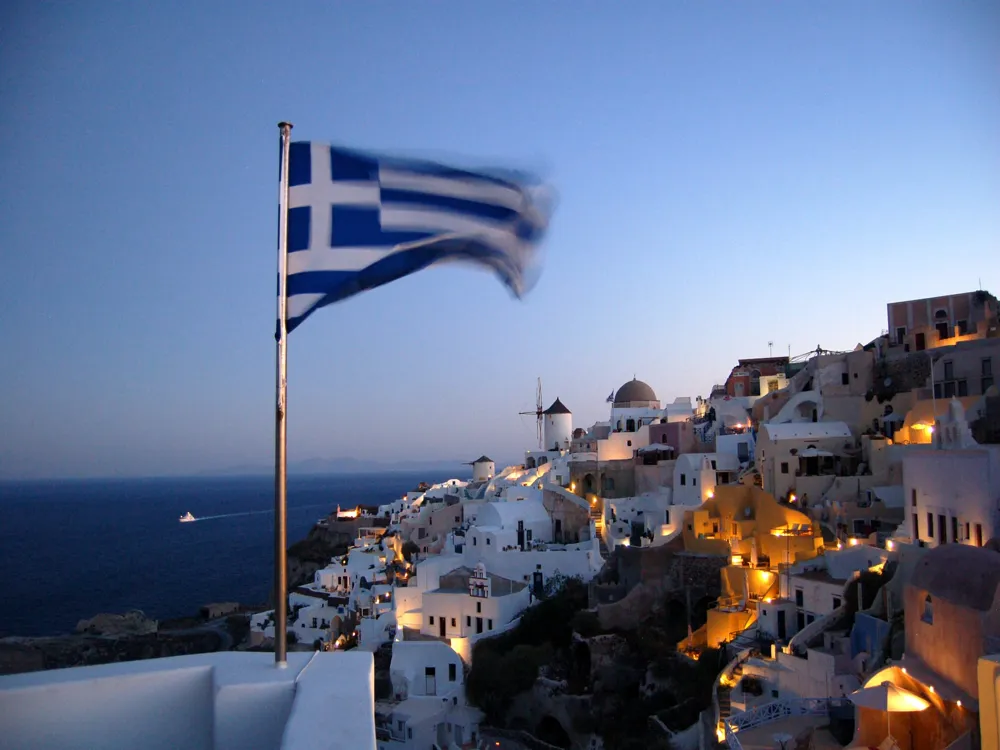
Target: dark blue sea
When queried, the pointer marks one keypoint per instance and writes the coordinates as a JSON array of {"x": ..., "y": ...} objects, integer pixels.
[{"x": 72, "y": 549}]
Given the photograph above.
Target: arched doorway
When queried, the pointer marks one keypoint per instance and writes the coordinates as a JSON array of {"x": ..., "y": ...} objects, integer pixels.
[{"x": 588, "y": 483}]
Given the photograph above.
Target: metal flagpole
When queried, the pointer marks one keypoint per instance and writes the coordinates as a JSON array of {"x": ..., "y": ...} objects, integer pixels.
[{"x": 280, "y": 424}]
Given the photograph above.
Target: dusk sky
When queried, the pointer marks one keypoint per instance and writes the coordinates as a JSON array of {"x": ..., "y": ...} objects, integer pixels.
[{"x": 728, "y": 173}]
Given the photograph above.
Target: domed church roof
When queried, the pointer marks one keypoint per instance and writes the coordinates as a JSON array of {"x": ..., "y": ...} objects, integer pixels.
[{"x": 634, "y": 390}]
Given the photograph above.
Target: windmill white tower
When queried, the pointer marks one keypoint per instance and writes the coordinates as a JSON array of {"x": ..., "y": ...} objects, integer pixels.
[{"x": 538, "y": 412}]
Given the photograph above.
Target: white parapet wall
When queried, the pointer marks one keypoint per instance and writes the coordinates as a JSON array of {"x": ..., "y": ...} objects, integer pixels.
[{"x": 223, "y": 701}]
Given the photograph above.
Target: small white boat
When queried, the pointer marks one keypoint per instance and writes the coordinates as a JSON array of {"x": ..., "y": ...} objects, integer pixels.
[{"x": 187, "y": 517}]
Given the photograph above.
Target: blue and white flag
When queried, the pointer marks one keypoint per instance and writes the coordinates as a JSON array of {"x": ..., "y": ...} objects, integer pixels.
[
  {"x": 611, "y": 398},
  {"x": 357, "y": 221}
]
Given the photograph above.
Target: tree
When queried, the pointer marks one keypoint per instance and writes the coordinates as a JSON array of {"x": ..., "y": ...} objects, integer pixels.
[{"x": 410, "y": 548}]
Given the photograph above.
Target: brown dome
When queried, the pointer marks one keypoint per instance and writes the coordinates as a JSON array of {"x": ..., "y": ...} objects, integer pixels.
[{"x": 634, "y": 390}]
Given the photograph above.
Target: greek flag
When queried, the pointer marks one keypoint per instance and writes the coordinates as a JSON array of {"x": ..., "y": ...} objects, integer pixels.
[{"x": 357, "y": 221}]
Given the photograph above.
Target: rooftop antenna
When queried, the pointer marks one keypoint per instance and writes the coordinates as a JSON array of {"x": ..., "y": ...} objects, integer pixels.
[
  {"x": 539, "y": 410},
  {"x": 770, "y": 348}
]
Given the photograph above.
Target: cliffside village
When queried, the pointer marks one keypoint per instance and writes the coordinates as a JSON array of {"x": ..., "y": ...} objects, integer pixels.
[{"x": 842, "y": 509}]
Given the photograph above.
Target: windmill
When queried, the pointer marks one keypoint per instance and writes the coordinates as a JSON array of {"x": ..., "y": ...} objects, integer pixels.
[{"x": 539, "y": 410}]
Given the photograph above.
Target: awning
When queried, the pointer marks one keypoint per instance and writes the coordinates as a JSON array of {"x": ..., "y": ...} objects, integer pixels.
[
  {"x": 888, "y": 697},
  {"x": 656, "y": 447},
  {"x": 813, "y": 453}
]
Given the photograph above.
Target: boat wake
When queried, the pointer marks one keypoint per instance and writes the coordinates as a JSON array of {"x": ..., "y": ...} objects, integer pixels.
[{"x": 291, "y": 509}]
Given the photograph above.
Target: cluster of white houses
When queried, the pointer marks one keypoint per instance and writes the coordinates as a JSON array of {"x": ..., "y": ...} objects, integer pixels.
[
  {"x": 854, "y": 497},
  {"x": 803, "y": 475}
]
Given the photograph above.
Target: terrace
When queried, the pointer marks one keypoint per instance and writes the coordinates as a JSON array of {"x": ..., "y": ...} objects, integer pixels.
[{"x": 814, "y": 723}]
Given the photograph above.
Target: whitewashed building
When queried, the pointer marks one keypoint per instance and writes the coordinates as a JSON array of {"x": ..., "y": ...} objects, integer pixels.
[
  {"x": 428, "y": 704},
  {"x": 697, "y": 474},
  {"x": 472, "y": 602},
  {"x": 782, "y": 449}
]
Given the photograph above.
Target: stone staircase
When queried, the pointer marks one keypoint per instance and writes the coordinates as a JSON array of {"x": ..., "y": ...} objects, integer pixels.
[
  {"x": 725, "y": 702},
  {"x": 597, "y": 517}
]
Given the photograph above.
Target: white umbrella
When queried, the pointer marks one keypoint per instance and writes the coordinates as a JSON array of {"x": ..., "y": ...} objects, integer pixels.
[{"x": 889, "y": 698}]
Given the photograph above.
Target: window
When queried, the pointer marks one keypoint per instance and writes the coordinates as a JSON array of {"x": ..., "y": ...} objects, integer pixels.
[
  {"x": 928, "y": 614},
  {"x": 949, "y": 370},
  {"x": 432, "y": 619},
  {"x": 629, "y": 443},
  {"x": 986, "y": 367},
  {"x": 453, "y": 622},
  {"x": 844, "y": 379},
  {"x": 798, "y": 598},
  {"x": 684, "y": 479},
  {"x": 479, "y": 607},
  {"x": 713, "y": 465},
  {"x": 961, "y": 327},
  {"x": 966, "y": 537},
  {"x": 452, "y": 672},
  {"x": 489, "y": 624},
  {"x": 963, "y": 388},
  {"x": 900, "y": 334},
  {"x": 458, "y": 519},
  {"x": 913, "y": 498},
  {"x": 784, "y": 467},
  {"x": 474, "y": 542},
  {"x": 409, "y": 733},
  {"x": 694, "y": 481},
  {"x": 468, "y": 621},
  {"x": 930, "y": 526},
  {"x": 949, "y": 388},
  {"x": 836, "y": 602},
  {"x": 666, "y": 517},
  {"x": 979, "y": 535},
  {"x": 916, "y": 528},
  {"x": 609, "y": 483},
  {"x": 487, "y": 541},
  {"x": 954, "y": 529}
]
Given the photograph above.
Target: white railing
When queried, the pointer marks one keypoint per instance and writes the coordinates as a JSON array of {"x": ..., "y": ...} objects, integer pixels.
[
  {"x": 773, "y": 712},
  {"x": 726, "y": 675}
]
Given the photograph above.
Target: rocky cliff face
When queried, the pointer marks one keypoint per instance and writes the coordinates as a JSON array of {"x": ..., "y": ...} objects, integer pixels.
[{"x": 113, "y": 625}]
